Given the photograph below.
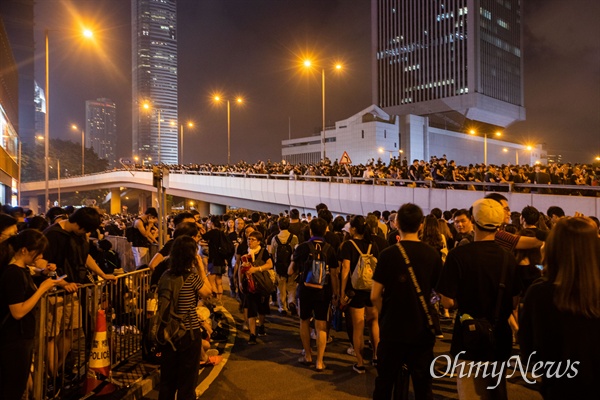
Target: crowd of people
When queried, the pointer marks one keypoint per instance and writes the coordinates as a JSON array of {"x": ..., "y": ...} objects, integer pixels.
[
  {"x": 437, "y": 172},
  {"x": 527, "y": 277}
]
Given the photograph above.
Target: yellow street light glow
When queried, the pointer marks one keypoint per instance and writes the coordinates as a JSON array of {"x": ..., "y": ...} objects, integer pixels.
[
  {"x": 598, "y": 158},
  {"x": 217, "y": 98},
  {"x": 401, "y": 151},
  {"x": 88, "y": 33},
  {"x": 307, "y": 63},
  {"x": 498, "y": 133},
  {"x": 146, "y": 106},
  {"x": 529, "y": 148},
  {"x": 381, "y": 149},
  {"x": 190, "y": 124},
  {"x": 505, "y": 150},
  {"x": 74, "y": 127},
  {"x": 472, "y": 132},
  {"x": 338, "y": 66},
  {"x": 239, "y": 100}
]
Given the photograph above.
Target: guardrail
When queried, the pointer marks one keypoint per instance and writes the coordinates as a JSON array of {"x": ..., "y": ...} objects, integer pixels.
[{"x": 63, "y": 347}]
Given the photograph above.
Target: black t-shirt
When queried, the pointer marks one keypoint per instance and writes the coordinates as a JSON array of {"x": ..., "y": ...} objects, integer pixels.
[
  {"x": 559, "y": 336},
  {"x": 166, "y": 250},
  {"x": 16, "y": 286},
  {"x": 349, "y": 252},
  {"x": 334, "y": 241},
  {"x": 68, "y": 251},
  {"x": 300, "y": 257},
  {"x": 471, "y": 276},
  {"x": 402, "y": 317},
  {"x": 213, "y": 237}
]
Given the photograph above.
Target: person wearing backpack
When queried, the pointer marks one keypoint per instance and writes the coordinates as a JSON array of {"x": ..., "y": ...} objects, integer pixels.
[
  {"x": 180, "y": 361},
  {"x": 282, "y": 248},
  {"x": 313, "y": 260},
  {"x": 359, "y": 254}
]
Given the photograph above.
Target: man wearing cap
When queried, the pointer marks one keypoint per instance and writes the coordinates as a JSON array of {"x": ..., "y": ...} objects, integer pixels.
[{"x": 471, "y": 280}]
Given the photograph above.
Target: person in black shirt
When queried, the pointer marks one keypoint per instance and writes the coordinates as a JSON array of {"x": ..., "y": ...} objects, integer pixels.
[
  {"x": 405, "y": 335},
  {"x": 18, "y": 299},
  {"x": 313, "y": 301},
  {"x": 360, "y": 302}
]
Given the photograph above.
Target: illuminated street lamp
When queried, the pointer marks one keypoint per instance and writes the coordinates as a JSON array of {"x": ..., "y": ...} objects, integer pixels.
[
  {"x": 485, "y": 136},
  {"x": 190, "y": 125},
  {"x": 238, "y": 100},
  {"x": 88, "y": 34},
  {"x": 337, "y": 67},
  {"x": 74, "y": 127}
]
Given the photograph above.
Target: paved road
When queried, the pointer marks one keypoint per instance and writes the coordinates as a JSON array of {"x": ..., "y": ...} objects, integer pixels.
[{"x": 270, "y": 370}]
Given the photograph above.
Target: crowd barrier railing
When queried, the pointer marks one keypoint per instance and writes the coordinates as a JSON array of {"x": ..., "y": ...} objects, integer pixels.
[{"x": 67, "y": 323}]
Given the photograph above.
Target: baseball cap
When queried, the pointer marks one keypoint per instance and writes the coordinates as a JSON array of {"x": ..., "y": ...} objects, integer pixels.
[{"x": 488, "y": 213}]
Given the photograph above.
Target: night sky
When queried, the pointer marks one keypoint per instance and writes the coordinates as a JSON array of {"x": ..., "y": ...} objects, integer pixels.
[{"x": 254, "y": 48}]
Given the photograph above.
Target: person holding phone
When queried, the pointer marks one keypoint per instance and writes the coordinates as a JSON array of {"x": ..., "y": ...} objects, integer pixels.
[{"x": 18, "y": 298}]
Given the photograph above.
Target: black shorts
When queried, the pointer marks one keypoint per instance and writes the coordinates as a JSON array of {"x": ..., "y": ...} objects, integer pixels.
[
  {"x": 256, "y": 304},
  {"x": 312, "y": 303},
  {"x": 361, "y": 299}
]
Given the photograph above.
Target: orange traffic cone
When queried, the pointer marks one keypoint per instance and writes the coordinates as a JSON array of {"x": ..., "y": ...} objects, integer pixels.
[{"x": 98, "y": 372}]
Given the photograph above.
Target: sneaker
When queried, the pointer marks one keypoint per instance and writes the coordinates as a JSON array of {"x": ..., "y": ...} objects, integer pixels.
[
  {"x": 329, "y": 339},
  {"x": 245, "y": 327},
  {"x": 261, "y": 330},
  {"x": 293, "y": 309},
  {"x": 350, "y": 351},
  {"x": 313, "y": 334},
  {"x": 359, "y": 370},
  {"x": 374, "y": 362},
  {"x": 252, "y": 339}
]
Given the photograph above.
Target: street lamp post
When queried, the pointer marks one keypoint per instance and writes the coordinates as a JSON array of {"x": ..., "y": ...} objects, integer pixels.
[
  {"x": 82, "y": 149},
  {"x": 87, "y": 33},
  {"x": 239, "y": 101},
  {"x": 308, "y": 64},
  {"x": 190, "y": 125},
  {"x": 485, "y": 137}
]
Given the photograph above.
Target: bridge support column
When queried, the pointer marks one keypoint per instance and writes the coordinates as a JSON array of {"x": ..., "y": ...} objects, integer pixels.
[
  {"x": 217, "y": 209},
  {"x": 34, "y": 204},
  {"x": 142, "y": 202},
  {"x": 201, "y": 206},
  {"x": 115, "y": 201}
]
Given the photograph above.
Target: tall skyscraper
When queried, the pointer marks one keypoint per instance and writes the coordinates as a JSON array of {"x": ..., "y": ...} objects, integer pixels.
[
  {"x": 154, "y": 46},
  {"x": 101, "y": 128},
  {"x": 18, "y": 22},
  {"x": 453, "y": 61}
]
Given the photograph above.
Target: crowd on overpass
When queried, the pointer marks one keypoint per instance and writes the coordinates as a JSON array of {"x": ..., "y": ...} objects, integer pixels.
[
  {"x": 521, "y": 233},
  {"x": 437, "y": 172}
]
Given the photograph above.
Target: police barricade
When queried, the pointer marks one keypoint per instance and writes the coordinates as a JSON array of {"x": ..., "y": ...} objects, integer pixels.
[{"x": 66, "y": 329}]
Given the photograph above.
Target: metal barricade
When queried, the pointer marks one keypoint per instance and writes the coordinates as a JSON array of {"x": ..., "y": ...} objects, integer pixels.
[{"x": 66, "y": 327}]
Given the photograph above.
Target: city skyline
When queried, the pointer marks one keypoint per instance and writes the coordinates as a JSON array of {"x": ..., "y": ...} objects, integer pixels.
[{"x": 255, "y": 51}]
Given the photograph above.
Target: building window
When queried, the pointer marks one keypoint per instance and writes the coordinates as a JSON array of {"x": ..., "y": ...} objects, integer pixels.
[
  {"x": 362, "y": 133},
  {"x": 384, "y": 134}
]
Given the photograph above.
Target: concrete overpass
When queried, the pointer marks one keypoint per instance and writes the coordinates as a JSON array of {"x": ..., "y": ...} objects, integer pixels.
[{"x": 275, "y": 193}]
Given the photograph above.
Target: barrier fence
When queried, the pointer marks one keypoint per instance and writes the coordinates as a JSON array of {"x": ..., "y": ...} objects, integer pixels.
[{"x": 67, "y": 325}]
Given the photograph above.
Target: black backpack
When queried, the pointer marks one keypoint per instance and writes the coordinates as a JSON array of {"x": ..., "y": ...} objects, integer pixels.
[
  {"x": 283, "y": 256},
  {"x": 225, "y": 248}
]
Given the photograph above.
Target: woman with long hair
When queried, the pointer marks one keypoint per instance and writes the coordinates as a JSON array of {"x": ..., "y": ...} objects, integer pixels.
[
  {"x": 358, "y": 301},
  {"x": 18, "y": 298},
  {"x": 179, "y": 368},
  {"x": 560, "y": 320}
]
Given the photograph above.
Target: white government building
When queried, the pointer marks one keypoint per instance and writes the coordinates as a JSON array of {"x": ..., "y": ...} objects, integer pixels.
[{"x": 373, "y": 134}]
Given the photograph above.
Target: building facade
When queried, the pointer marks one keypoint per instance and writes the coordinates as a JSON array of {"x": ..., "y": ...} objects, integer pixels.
[
  {"x": 18, "y": 17},
  {"x": 101, "y": 128},
  {"x": 9, "y": 119},
  {"x": 154, "y": 67},
  {"x": 456, "y": 63},
  {"x": 369, "y": 134}
]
